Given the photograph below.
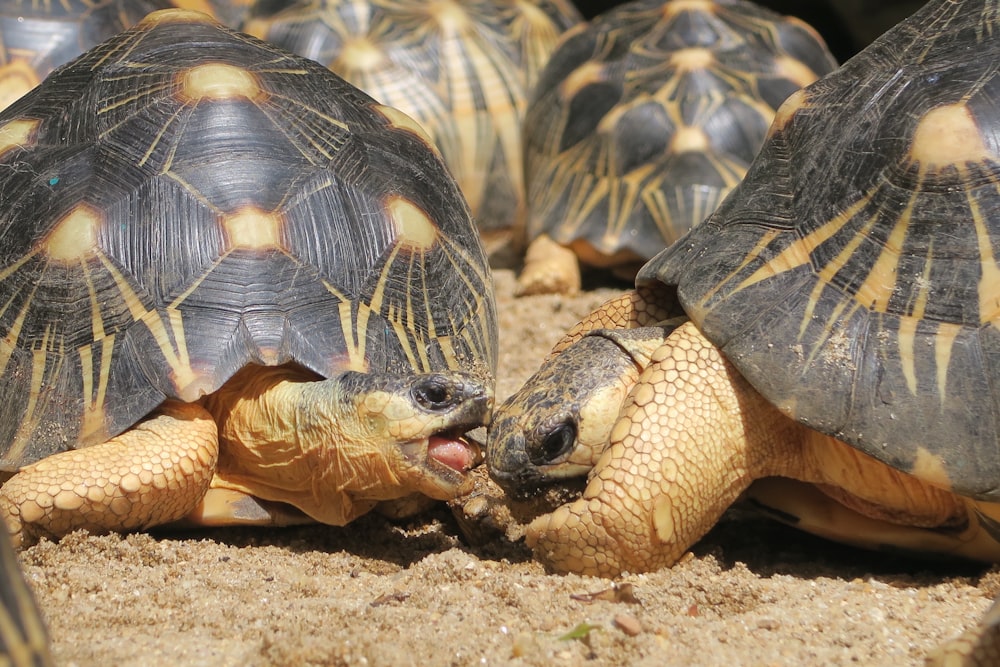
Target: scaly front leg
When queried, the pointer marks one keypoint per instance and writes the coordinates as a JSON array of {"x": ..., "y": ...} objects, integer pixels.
[
  {"x": 154, "y": 473},
  {"x": 681, "y": 452}
]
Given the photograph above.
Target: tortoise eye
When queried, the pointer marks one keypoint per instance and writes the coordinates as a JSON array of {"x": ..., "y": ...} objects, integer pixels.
[
  {"x": 554, "y": 444},
  {"x": 433, "y": 394}
]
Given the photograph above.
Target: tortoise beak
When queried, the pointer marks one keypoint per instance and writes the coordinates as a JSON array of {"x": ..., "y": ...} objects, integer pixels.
[{"x": 446, "y": 456}]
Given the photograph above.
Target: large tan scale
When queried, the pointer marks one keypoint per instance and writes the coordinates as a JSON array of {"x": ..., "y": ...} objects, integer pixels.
[
  {"x": 825, "y": 345},
  {"x": 244, "y": 293}
]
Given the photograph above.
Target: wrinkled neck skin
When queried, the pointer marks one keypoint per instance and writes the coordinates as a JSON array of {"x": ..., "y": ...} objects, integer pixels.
[{"x": 285, "y": 436}]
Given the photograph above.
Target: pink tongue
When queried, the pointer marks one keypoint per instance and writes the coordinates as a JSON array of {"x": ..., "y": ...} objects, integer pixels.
[{"x": 452, "y": 453}]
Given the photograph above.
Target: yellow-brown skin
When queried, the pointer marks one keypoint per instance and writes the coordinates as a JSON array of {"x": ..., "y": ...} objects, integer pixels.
[
  {"x": 154, "y": 473},
  {"x": 549, "y": 268},
  {"x": 553, "y": 268},
  {"x": 271, "y": 433},
  {"x": 693, "y": 436},
  {"x": 978, "y": 647}
]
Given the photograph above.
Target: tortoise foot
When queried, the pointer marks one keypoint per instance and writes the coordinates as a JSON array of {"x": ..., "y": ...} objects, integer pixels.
[
  {"x": 152, "y": 474},
  {"x": 227, "y": 507},
  {"x": 549, "y": 268}
]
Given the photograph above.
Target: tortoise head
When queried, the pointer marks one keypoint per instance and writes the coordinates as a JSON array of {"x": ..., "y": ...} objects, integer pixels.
[
  {"x": 557, "y": 425},
  {"x": 334, "y": 448},
  {"x": 415, "y": 424}
]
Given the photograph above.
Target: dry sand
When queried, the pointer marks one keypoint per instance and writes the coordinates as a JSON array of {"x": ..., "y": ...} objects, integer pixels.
[{"x": 377, "y": 593}]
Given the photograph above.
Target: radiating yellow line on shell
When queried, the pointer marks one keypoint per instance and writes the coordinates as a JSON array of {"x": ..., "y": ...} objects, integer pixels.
[
  {"x": 622, "y": 195},
  {"x": 353, "y": 331},
  {"x": 810, "y": 309},
  {"x": 798, "y": 252},
  {"x": 453, "y": 250},
  {"x": 176, "y": 321},
  {"x": 944, "y": 342},
  {"x": 377, "y": 303},
  {"x": 9, "y": 342},
  {"x": 16, "y": 266},
  {"x": 698, "y": 309},
  {"x": 411, "y": 312},
  {"x": 39, "y": 362},
  {"x": 883, "y": 276},
  {"x": 448, "y": 350},
  {"x": 159, "y": 135},
  {"x": 94, "y": 402},
  {"x": 183, "y": 374},
  {"x": 295, "y": 131},
  {"x": 989, "y": 281},
  {"x": 906, "y": 337}
]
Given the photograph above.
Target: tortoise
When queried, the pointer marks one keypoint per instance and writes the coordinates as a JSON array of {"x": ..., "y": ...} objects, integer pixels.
[
  {"x": 463, "y": 70},
  {"x": 37, "y": 37},
  {"x": 23, "y": 638},
  {"x": 643, "y": 120},
  {"x": 825, "y": 343},
  {"x": 234, "y": 288}
]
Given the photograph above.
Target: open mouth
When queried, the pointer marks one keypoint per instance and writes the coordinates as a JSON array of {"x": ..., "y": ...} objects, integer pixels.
[
  {"x": 456, "y": 452},
  {"x": 444, "y": 460}
]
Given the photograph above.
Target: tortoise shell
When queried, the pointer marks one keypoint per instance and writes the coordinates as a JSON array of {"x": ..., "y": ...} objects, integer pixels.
[
  {"x": 184, "y": 200},
  {"x": 228, "y": 12},
  {"x": 853, "y": 276},
  {"x": 24, "y": 640},
  {"x": 645, "y": 118},
  {"x": 463, "y": 70},
  {"x": 37, "y": 37}
]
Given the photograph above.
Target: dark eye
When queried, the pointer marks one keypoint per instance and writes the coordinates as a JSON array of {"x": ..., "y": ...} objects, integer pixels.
[
  {"x": 553, "y": 444},
  {"x": 433, "y": 394}
]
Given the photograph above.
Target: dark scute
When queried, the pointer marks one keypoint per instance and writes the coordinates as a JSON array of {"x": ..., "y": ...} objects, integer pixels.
[
  {"x": 301, "y": 32},
  {"x": 573, "y": 51},
  {"x": 736, "y": 129},
  {"x": 160, "y": 255},
  {"x": 775, "y": 90},
  {"x": 697, "y": 87},
  {"x": 693, "y": 29},
  {"x": 641, "y": 135},
  {"x": 228, "y": 155},
  {"x": 800, "y": 43},
  {"x": 586, "y": 110},
  {"x": 985, "y": 108}
]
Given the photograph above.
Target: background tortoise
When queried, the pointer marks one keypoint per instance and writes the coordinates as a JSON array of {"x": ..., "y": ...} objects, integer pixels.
[
  {"x": 842, "y": 332},
  {"x": 643, "y": 120},
  {"x": 463, "y": 70},
  {"x": 37, "y": 37},
  {"x": 202, "y": 226}
]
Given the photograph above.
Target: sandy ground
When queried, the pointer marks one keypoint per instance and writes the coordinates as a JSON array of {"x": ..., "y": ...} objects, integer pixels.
[{"x": 378, "y": 593}]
